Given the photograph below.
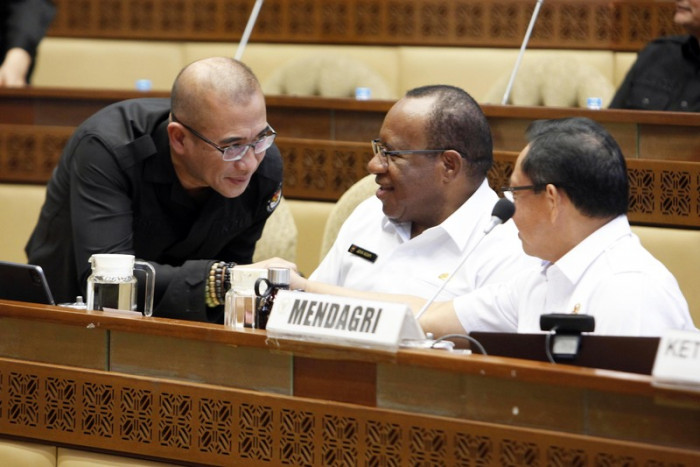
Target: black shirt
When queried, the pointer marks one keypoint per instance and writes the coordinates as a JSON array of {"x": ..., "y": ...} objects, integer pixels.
[
  {"x": 115, "y": 191},
  {"x": 666, "y": 76}
]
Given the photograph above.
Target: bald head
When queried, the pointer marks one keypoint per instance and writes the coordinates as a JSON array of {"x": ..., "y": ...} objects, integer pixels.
[{"x": 209, "y": 82}]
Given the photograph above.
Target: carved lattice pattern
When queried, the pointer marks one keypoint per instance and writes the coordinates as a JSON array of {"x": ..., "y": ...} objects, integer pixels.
[
  {"x": 215, "y": 426},
  {"x": 675, "y": 193},
  {"x": 175, "y": 413},
  {"x": 516, "y": 453},
  {"x": 136, "y": 419},
  {"x": 570, "y": 457},
  {"x": 612, "y": 460},
  {"x": 60, "y": 404},
  {"x": 275, "y": 429},
  {"x": 641, "y": 197},
  {"x": 473, "y": 450},
  {"x": 383, "y": 444},
  {"x": 255, "y": 438},
  {"x": 296, "y": 439},
  {"x": 427, "y": 446},
  {"x": 340, "y": 439},
  {"x": 469, "y": 20},
  {"x": 98, "y": 418},
  {"x": 23, "y": 407},
  {"x": 407, "y": 22}
]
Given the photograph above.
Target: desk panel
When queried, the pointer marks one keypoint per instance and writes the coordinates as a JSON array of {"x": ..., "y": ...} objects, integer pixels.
[
  {"x": 200, "y": 361},
  {"x": 431, "y": 405}
]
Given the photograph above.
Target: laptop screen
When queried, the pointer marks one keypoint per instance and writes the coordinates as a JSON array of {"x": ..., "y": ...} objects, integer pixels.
[{"x": 24, "y": 283}]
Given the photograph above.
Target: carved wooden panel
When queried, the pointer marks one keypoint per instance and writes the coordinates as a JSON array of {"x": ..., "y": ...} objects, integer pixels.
[
  {"x": 595, "y": 24},
  {"x": 322, "y": 170},
  {"x": 661, "y": 192},
  {"x": 214, "y": 425},
  {"x": 29, "y": 153}
]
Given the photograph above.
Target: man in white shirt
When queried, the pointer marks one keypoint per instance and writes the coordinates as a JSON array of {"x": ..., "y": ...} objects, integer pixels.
[
  {"x": 431, "y": 206},
  {"x": 570, "y": 190}
]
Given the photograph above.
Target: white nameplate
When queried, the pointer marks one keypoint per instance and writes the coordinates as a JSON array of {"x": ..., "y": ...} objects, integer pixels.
[
  {"x": 677, "y": 360},
  {"x": 342, "y": 321}
]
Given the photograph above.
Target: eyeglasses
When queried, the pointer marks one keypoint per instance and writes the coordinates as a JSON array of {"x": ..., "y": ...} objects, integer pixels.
[
  {"x": 509, "y": 190},
  {"x": 235, "y": 152},
  {"x": 381, "y": 152}
]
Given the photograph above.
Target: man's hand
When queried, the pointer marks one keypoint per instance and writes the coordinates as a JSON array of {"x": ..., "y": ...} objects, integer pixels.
[{"x": 13, "y": 72}]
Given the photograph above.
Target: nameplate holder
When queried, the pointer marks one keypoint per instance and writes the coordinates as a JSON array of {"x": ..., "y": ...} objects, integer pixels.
[
  {"x": 342, "y": 321},
  {"x": 677, "y": 363}
]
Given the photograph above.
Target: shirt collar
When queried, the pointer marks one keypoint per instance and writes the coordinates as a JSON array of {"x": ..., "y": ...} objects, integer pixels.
[
  {"x": 161, "y": 168},
  {"x": 574, "y": 263},
  {"x": 471, "y": 211}
]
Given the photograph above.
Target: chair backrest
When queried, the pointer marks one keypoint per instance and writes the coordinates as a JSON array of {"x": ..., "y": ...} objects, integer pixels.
[
  {"x": 558, "y": 81},
  {"x": 279, "y": 237},
  {"x": 327, "y": 75},
  {"x": 357, "y": 193},
  {"x": 679, "y": 251}
]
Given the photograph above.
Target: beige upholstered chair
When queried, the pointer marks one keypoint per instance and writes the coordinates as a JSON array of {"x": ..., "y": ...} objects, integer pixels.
[
  {"x": 357, "y": 193},
  {"x": 326, "y": 75},
  {"x": 279, "y": 237},
  {"x": 559, "y": 81}
]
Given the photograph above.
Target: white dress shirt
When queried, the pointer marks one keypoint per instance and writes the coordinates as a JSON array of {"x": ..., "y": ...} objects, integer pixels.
[
  {"x": 418, "y": 266},
  {"x": 608, "y": 275}
]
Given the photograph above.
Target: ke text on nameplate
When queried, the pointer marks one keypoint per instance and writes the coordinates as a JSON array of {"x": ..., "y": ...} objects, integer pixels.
[
  {"x": 677, "y": 362},
  {"x": 341, "y": 320}
]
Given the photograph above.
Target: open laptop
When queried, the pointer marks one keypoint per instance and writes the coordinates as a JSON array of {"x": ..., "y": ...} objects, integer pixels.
[
  {"x": 24, "y": 283},
  {"x": 619, "y": 353}
]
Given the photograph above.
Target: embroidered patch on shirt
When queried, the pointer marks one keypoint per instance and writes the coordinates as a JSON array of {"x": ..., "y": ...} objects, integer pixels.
[
  {"x": 362, "y": 253},
  {"x": 275, "y": 200}
]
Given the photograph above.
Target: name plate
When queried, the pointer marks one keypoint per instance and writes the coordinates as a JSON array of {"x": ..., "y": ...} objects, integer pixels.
[
  {"x": 677, "y": 360},
  {"x": 342, "y": 321}
]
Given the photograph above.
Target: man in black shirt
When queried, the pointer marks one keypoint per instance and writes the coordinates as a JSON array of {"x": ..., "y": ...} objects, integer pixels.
[
  {"x": 177, "y": 182},
  {"x": 666, "y": 75}
]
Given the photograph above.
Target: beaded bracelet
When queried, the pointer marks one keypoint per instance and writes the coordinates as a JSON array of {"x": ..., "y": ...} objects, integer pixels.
[
  {"x": 211, "y": 297},
  {"x": 218, "y": 282}
]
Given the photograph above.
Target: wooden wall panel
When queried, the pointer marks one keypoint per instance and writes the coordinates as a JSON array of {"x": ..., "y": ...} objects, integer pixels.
[
  {"x": 661, "y": 192},
  {"x": 571, "y": 24}
]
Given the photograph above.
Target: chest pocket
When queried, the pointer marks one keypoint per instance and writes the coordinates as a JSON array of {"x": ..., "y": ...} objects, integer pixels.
[{"x": 652, "y": 91}]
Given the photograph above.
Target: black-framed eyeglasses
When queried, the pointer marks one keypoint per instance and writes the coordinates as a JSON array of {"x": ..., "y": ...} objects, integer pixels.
[
  {"x": 383, "y": 154},
  {"x": 509, "y": 190},
  {"x": 235, "y": 152}
]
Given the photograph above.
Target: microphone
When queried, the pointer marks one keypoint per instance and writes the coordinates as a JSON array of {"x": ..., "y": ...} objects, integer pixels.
[
  {"x": 502, "y": 211},
  {"x": 248, "y": 29},
  {"x": 526, "y": 39}
]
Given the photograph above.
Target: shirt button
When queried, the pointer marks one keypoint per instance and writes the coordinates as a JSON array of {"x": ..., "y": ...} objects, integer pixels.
[
  {"x": 645, "y": 101},
  {"x": 684, "y": 104}
]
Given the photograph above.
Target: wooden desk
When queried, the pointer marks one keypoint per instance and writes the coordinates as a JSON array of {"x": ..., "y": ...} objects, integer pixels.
[{"x": 200, "y": 393}]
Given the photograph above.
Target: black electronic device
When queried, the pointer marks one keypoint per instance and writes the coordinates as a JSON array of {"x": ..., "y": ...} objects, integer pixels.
[
  {"x": 567, "y": 322},
  {"x": 631, "y": 354},
  {"x": 24, "y": 283}
]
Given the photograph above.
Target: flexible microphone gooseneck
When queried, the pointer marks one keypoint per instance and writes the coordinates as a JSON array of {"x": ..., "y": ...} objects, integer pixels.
[
  {"x": 502, "y": 211},
  {"x": 523, "y": 46},
  {"x": 248, "y": 29}
]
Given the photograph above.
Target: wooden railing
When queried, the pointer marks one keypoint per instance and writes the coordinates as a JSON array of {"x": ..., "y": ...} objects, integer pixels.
[{"x": 568, "y": 24}]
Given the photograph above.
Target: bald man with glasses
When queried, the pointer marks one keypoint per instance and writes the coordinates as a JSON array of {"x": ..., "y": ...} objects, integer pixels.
[
  {"x": 185, "y": 183},
  {"x": 431, "y": 205}
]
